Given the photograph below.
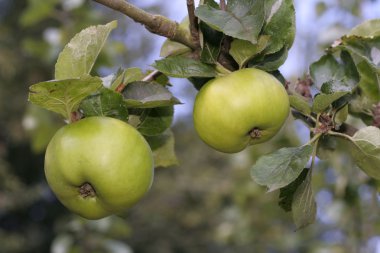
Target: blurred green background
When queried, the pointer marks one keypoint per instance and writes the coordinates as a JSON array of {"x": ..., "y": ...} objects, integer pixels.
[{"x": 208, "y": 203}]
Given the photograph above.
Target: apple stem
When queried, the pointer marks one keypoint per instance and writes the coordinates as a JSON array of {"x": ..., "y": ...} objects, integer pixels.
[
  {"x": 255, "y": 133},
  {"x": 86, "y": 190}
]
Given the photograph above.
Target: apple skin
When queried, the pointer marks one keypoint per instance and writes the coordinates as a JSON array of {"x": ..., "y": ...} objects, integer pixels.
[
  {"x": 228, "y": 108},
  {"x": 110, "y": 155}
]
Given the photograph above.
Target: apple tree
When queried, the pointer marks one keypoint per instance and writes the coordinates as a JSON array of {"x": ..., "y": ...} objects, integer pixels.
[{"x": 231, "y": 52}]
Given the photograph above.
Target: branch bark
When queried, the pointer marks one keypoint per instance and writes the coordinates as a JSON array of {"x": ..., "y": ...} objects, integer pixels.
[
  {"x": 193, "y": 20},
  {"x": 156, "y": 24},
  {"x": 222, "y": 5}
]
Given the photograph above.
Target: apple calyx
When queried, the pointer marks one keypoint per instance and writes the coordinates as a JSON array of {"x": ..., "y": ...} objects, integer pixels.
[
  {"x": 87, "y": 191},
  {"x": 255, "y": 133}
]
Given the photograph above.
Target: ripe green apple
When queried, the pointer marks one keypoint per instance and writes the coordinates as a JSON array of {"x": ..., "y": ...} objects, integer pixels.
[
  {"x": 245, "y": 107},
  {"x": 98, "y": 166}
]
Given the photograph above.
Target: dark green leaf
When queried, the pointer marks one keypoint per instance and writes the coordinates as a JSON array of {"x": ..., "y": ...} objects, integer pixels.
[
  {"x": 270, "y": 62},
  {"x": 369, "y": 81},
  {"x": 351, "y": 73},
  {"x": 179, "y": 66},
  {"x": 300, "y": 104},
  {"x": 323, "y": 101},
  {"x": 304, "y": 207},
  {"x": 63, "y": 96},
  {"x": 155, "y": 121},
  {"x": 280, "y": 24},
  {"x": 212, "y": 3},
  {"x": 148, "y": 95},
  {"x": 287, "y": 192},
  {"x": 162, "y": 79},
  {"x": 106, "y": 103},
  {"x": 198, "y": 82},
  {"x": 364, "y": 64},
  {"x": 242, "y": 50},
  {"x": 326, "y": 147},
  {"x": 79, "y": 55},
  {"x": 329, "y": 73},
  {"x": 282, "y": 167},
  {"x": 364, "y": 48},
  {"x": 243, "y": 19},
  {"x": 278, "y": 75},
  {"x": 163, "y": 149},
  {"x": 211, "y": 44}
]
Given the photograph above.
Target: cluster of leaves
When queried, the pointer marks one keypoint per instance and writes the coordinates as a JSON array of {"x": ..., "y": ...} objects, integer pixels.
[
  {"x": 128, "y": 95},
  {"x": 143, "y": 100},
  {"x": 347, "y": 79},
  {"x": 250, "y": 29},
  {"x": 250, "y": 33}
]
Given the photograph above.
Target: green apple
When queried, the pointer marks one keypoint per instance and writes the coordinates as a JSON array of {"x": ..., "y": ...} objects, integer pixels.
[
  {"x": 98, "y": 166},
  {"x": 246, "y": 107}
]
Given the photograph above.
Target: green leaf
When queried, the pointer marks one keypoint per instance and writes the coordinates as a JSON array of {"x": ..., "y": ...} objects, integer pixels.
[
  {"x": 63, "y": 96},
  {"x": 133, "y": 75},
  {"x": 163, "y": 149},
  {"x": 198, "y": 82},
  {"x": 370, "y": 134},
  {"x": 148, "y": 95},
  {"x": 212, "y": 3},
  {"x": 182, "y": 67},
  {"x": 364, "y": 147},
  {"x": 364, "y": 48},
  {"x": 279, "y": 24},
  {"x": 162, "y": 79},
  {"x": 170, "y": 48},
  {"x": 328, "y": 71},
  {"x": 79, "y": 55},
  {"x": 287, "y": 193},
  {"x": 327, "y": 145},
  {"x": 341, "y": 115},
  {"x": 367, "y": 140},
  {"x": 270, "y": 62},
  {"x": 323, "y": 101},
  {"x": 107, "y": 103},
  {"x": 304, "y": 207},
  {"x": 114, "y": 80},
  {"x": 155, "y": 121},
  {"x": 300, "y": 104},
  {"x": 282, "y": 167},
  {"x": 242, "y": 51},
  {"x": 365, "y": 55},
  {"x": 368, "y": 28},
  {"x": 369, "y": 81},
  {"x": 124, "y": 77},
  {"x": 212, "y": 40},
  {"x": 243, "y": 19}
]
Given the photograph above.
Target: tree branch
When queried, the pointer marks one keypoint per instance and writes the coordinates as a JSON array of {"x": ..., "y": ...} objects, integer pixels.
[
  {"x": 156, "y": 24},
  {"x": 193, "y": 22},
  {"x": 222, "y": 5}
]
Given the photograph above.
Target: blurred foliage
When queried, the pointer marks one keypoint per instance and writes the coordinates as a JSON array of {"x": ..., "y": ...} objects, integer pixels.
[{"x": 206, "y": 204}]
